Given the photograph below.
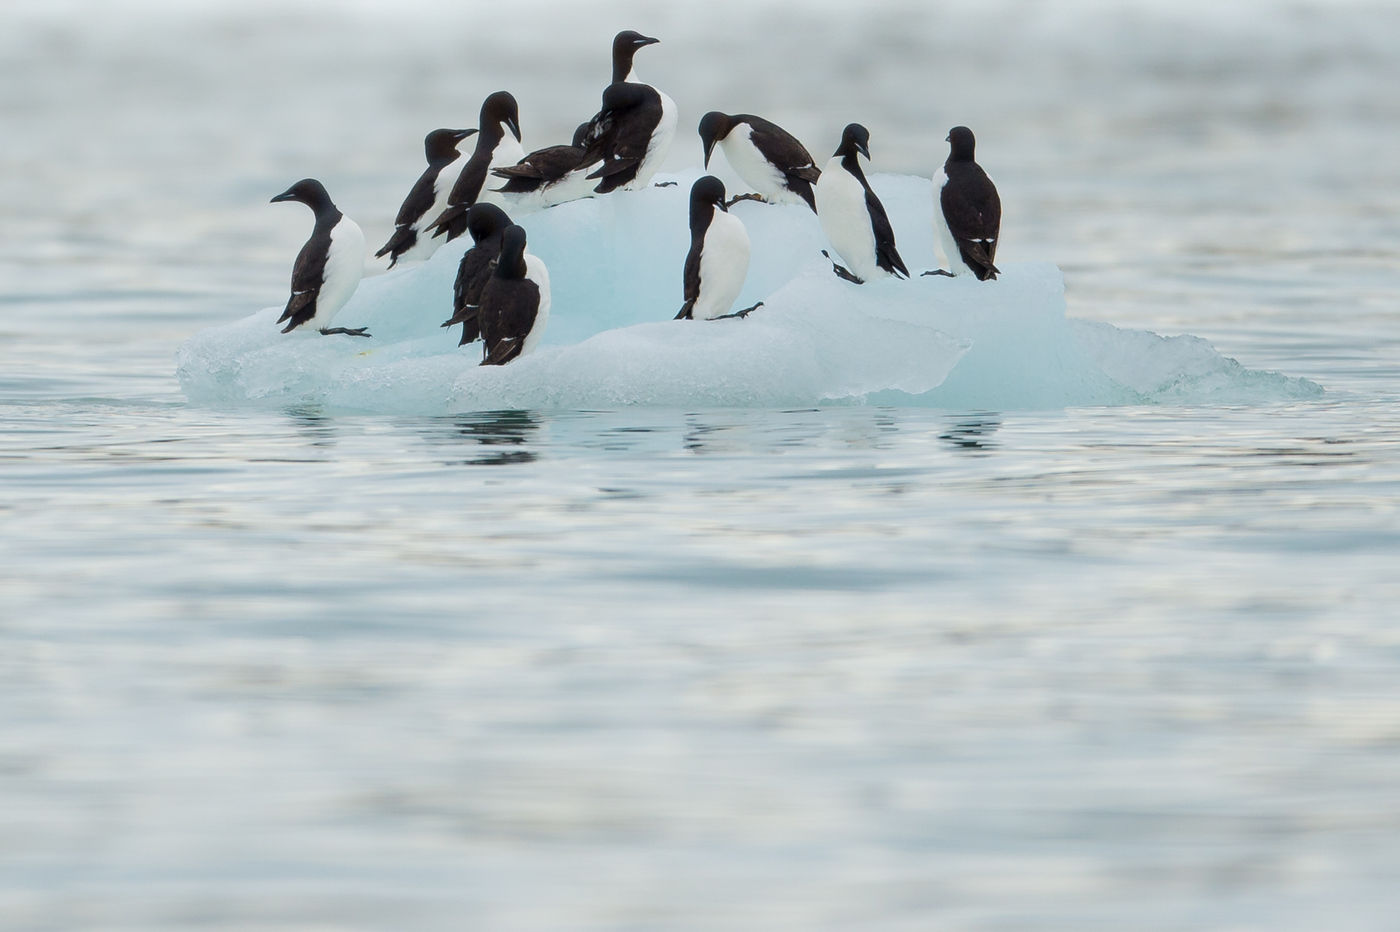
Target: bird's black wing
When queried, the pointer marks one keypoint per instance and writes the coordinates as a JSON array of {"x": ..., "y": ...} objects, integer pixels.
[
  {"x": 886, "y": 255},
  {"x": 308, "y": 274}
]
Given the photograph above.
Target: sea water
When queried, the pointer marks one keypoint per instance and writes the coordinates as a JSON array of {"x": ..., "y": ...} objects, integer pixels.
[{"x": 282, "y": 662}]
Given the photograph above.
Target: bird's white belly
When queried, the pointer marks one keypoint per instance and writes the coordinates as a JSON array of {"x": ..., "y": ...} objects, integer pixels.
[
  {"x": 846, "y": 220},
  {"x": 952, "y": 256},
  {"x": 723, "y": 266},
  {"x": 427, "y": 244},
  {"x": 508, "y": 152},
  {"x": 345, "y": 264},
  {"x": 659, "y": 144},
  {"x": 536, "y": 272},
  {"x": 758, "y": 173}
]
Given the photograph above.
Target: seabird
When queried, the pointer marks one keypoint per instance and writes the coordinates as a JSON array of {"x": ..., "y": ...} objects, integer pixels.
[
  {"x": 547, "y": 176},
  {"x": 486, "y": 223},
  {"x": 514, "y": 303},
  {"x": 719, "y": 255},
  {"x": 766, "y": 156},
  {"x": 329, "y": 266},
  {"x": 660, "y": 127},
  {"x": 852, "y": 216},
  {"x": 426, "y": 199},
  {"x": 967, "y": 211},
  {"x": 494, "y": 148},
  {"x": 621, "y": 136}
]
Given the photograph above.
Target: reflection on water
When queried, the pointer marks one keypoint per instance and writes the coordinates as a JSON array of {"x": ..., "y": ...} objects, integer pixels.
[
  {"x": 973, "y": 433},
  {"x": 512, "y": 430}
]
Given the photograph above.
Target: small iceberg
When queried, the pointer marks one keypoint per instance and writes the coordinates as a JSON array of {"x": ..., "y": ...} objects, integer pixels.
[{"x": 615, "y": 269}]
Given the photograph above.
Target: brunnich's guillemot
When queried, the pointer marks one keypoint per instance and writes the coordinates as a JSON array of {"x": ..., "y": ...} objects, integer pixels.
[
  {"x": 718, "y": 258},
  {"x": 966, "y": 211},
  {"x": 621, "y": 136},
  {"x": 494, "y": 148},
  {"x": 547, "y": 176},
  {"x": 329, "y": 266},
  {"x": 514, "y": 303},
  {"x": 766, "y": 156},
  {"x": 660, "y": 125},
  {"x": 486, "y": 223},
  {"x": 852, "y": 216},
  {"x": 426, "y": 199}
]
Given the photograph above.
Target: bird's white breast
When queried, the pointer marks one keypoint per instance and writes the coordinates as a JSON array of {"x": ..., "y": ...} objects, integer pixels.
[
  {"x": 536, "y": 272},
  {"x": 724, "y": 263},
  {"x": 345, "y": 264},
  {"x": 952, "y": 256},
  {"x": 508, "y": 152},
  {"x": 845, "y": 219},
  {"x": 758, "y": 173}
]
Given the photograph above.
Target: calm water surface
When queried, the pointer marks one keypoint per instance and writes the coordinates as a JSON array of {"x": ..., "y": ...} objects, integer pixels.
[{"x": 1120, "y": 668}]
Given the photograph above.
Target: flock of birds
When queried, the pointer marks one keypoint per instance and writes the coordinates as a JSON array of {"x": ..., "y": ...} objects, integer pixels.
[{"x": 501, "y": 293}]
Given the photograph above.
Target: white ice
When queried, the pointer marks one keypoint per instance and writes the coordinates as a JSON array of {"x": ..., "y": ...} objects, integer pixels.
[{"x": 615, "y": 267}]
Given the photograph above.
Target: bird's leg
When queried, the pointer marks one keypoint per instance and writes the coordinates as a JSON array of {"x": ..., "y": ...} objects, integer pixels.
[
  {"x": 356, "y": 332},
  {"x": 665, "y": 184},
  {"x": 745, "y": 197},
  {"x": 842, "y": 272},
  {"x": 741, "y": 314},
  {"x": 937, "y": 272}
]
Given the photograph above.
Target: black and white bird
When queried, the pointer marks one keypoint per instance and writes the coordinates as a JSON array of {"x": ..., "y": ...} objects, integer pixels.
[
  {"x": 329, "y": 266},
  {"x": 654, "y": 129},
  {"x": 495, "y": 148},
  {"x": 852, "y": 216},
  {"x": 766, "y": 156},
  {"x": 620, "y": 137},
  {"x": 719, "y": 255},
  {"x": 486, "y": 223},
  {"x": 966, "y": 210},
  {"x": 547, "y": 176},
  {"x": 426, "y": 199},
  {"x": 514, "y": 303}
]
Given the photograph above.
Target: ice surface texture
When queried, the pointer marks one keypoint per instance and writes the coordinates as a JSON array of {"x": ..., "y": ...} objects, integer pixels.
[{"x": 615, "y": 267}]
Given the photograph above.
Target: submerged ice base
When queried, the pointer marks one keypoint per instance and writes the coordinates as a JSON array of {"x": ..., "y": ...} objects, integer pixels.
[{"x": 615, "y": 267}]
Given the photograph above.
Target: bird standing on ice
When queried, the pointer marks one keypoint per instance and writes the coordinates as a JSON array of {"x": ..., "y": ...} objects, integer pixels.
[
  {"x": 426, "y": 199},
  {"x": 514, "y": 303},
  {"x": 547, "y": 176},
  {"x": 966, "y": 211},
  {"x": 852, "y": 216},
  {"x": 494, "y": 148},
  {"x": 654, "y": 134},
  {"x": 486, "y": 223},
  {"x": 719, "y": 255},
  {"x": 766, "y": 156},
  {"x": 621, "y": 136},
  {"x": 329, "y": 266}
]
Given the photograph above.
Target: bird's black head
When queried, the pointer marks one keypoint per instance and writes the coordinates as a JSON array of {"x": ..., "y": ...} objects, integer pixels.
[
  {"x": 625, "y": 45},
  {"x": 511, "y": 263},
  {"x": 714, "y": 126},
  {"x": 854, "y": 138},
  {"x": 483, "y": 220},
  {"x": 500, "y": 109},
  {"x": 308, "y": 191},
  {"x": 442, "y": 143},
  {"x": 707, "y": 192},
  {"x": 963, "y": 144}
]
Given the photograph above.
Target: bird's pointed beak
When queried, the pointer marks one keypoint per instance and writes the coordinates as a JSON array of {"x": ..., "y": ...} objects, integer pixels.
[
  {"x": 286, "y": 195},
  {"x": 863, "y": 149},
  {"x": 514, "y": 127},
  {"x": 647, "y": 40},
  {"x": 709, "y": 150},
  {"x": 463, "y": 134}
]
